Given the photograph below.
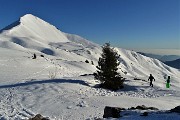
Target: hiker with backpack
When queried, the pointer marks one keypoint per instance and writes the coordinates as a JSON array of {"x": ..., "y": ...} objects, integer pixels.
[{"x": 151, "y": 78}]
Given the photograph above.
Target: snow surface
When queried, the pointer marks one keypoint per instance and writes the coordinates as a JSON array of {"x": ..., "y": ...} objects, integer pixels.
[{"x": 60, "y": 85}]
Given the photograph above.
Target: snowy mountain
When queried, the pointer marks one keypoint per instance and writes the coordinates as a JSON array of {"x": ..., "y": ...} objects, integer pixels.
[
  {"x": 170, "y": 60},
  {"x": 169, "y": 57},
  {"x": 162, "y": 58},
  {"x": 174, "y": 63},
  {"x": 78, "y": 39},
  {"x": 59, "y": 83},
  {"x": 35, "y": 28},
  {"x": 31, "y": 32}
]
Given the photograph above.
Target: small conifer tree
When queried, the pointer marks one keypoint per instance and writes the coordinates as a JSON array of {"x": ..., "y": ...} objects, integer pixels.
[{"x": 107, "y": 69}]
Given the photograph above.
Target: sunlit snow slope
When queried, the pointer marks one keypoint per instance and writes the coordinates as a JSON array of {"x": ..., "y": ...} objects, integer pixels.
[
  {"x": 60, "y": 78},
  {"x": 32, "y": 34}
]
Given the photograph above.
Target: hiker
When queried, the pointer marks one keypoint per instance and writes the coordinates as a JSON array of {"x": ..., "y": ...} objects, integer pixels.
[
  {"x": 151, "y": 78},
  {"x": 168, "y": 82}
]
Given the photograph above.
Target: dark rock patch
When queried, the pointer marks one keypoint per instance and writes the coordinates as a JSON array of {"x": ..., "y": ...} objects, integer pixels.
[
  {"x": 143, "y": 107},
  {"x": 39, "y": 117},
  {"x": 176, "y": 109},
  {"x": 113, "y": 112}
]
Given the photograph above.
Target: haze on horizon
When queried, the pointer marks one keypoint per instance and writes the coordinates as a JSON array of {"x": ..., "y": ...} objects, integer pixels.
[{"x": 151, "y": 26}]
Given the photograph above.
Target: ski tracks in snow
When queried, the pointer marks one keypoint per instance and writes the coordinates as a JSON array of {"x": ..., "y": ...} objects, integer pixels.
[{"x": 10, "y": 107}]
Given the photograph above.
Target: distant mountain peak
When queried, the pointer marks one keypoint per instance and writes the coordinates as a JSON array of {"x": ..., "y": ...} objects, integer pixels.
[
  {"x": 30, "y": 26},
  {"x": 27, "y": 18},
  {"x": 34, "y": 28},
  {"x": 19, "y": 21}
]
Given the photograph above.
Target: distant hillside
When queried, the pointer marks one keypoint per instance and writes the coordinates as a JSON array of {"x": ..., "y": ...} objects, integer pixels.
[
  {"x": 151, "y": 55},
  {"x": 162, "y": 58},
  {"x": 174, "y": 63}
]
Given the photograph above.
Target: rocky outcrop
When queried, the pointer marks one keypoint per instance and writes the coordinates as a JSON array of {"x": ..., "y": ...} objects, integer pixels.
[
  {"x": 39, "y": 117},
  {"x": 142, "y": 110},
  {"x": 113, "y": 112},
  {"x": 176, "y": 109},
  {"x": 143, "y": 107}
]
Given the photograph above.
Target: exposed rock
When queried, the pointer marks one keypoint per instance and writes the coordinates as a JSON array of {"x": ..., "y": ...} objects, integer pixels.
[
  {"x": 153, "y": 108},
  {"x": 142, "y": 110},
  {"x": 113, "y": 112},
  {"x": 145, "y": 114},
  {"x": 39, "y": 117},
  {"x": 82, "y": 104},
  {"x": 86, "y": 61},
  {"x": 176, "y": 109},
  {"x": 143, "y": 107},
  {"x": 42, "y": 55},
  {"x": 34, "y": 56}
]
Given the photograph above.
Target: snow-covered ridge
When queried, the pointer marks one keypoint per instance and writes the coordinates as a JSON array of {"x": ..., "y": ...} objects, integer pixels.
[
  {"x": 134, "y": 62},
  {"x": 35, "y": 28},
  {"x": 80, "y": 40},
  {"x": 31, "y": 32},
  {"x": 10, "y": 26}
]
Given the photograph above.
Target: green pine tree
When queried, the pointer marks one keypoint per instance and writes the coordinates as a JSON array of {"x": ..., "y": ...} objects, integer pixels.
[{"x": 107, "y": 69}]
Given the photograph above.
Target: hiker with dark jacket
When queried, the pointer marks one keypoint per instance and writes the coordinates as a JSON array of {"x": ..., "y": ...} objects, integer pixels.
[
  {"x": 168, "y": 82},
  {"x": 151, "y": 78}
]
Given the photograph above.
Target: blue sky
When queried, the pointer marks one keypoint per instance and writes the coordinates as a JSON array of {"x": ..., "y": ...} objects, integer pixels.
[{"x": 132, "y": 24}]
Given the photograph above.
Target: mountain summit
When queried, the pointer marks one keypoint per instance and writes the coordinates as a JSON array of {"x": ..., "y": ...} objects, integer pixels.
[
  {"x": 30, "y": 26},
  {"x": 31, "y": 32}
]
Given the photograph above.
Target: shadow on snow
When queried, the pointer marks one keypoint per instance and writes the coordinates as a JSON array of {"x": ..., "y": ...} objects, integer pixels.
[{"x": 45, "y": 82}]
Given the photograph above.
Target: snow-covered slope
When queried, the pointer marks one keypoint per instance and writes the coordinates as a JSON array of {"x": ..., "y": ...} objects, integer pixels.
[
  {"x": 59, "y": 84},
  {"x": 163, "y": 58},
  {"x": 35, "y": 28},
  {"x": 78, "y": 39},
  {"x": 138, "y": 65},
  {"x": 33, "y": 33}
]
